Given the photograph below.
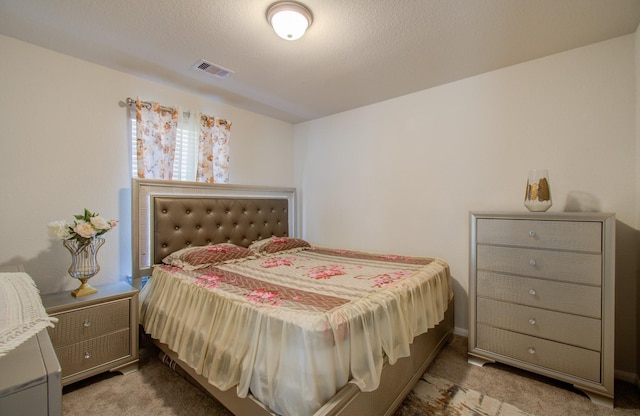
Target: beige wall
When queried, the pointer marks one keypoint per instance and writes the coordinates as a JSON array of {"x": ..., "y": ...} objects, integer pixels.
[
  {"x": 64, "y": 147},
  {"x": 402, "y": 175}
]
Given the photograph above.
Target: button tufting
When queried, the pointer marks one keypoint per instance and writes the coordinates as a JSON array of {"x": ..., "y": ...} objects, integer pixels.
[{"x": 164, "y": 211}]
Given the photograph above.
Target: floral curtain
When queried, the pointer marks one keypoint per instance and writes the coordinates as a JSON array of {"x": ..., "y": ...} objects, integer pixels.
[
  {"x": 156, "y": 127},
  {"x": 213, "y": 150}
]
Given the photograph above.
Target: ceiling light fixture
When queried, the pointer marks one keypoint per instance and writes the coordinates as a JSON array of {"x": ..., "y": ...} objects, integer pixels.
[{"x": 289, "y": 19}]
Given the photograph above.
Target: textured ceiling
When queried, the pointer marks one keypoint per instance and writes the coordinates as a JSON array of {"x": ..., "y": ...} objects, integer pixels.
[{"x": 356, "y": 52}]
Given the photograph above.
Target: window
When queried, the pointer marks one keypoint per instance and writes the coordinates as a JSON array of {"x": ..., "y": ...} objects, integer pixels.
[
  {"x": 180, "y": 146},
  {"x": 186, "y": 158}
]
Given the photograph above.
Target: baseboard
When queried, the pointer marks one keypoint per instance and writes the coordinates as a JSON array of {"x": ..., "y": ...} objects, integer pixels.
[
  {"x": 627, "y": 377},
  {"x": 461, "y": 332}
]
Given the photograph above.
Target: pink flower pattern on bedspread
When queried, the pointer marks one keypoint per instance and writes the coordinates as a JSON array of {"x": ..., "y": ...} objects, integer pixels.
[
  {"x": 277, "y": 262},
  {"x": 386, "y": 279},
  {"x": 326, "y": 271},
  {"x": 265, "y": 297},
  {"x": 212, "y": 280}
]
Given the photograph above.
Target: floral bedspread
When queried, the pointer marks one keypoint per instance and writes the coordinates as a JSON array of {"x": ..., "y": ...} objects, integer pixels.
[{"x": 292, "y": 328}]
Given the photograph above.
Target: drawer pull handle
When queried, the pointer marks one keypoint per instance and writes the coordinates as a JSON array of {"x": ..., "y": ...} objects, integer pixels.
[
  {"x": 532, "y": 292},
  {"x": 87, "y": 355},
  {"x": 532, "y": 321},
  {"x": 86, "y": 323},
  {"x": 532, "y": 350},
  {"x": 532, "y": 233},
  {"x": 532, "y": 262}
]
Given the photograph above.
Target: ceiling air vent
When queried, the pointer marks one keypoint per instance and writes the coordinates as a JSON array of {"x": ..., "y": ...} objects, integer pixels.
[{"x": 213, "y": 69}]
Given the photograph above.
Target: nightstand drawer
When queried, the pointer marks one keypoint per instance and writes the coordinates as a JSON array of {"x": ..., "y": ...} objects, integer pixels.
[
  {"x": 564, "y": 235},
  {"x": 94, "y": 352},
  {"x": 555, "y": 326},
  {"x": 95, "y": 333},
  {"x": 555, "y": 265},
  {"x": 556, "y": 296},
  {"x": 554, "y": 356},
  {"x": 90, "y": 322}
]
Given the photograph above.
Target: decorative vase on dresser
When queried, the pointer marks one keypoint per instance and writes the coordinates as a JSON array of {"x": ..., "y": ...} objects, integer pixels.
[
  {"x": 95, "y": 333},
  {"x": 541, "y": 296}
]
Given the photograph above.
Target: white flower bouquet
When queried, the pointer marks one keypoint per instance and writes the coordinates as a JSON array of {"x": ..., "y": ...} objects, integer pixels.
[{"x": 83, "y": 229}]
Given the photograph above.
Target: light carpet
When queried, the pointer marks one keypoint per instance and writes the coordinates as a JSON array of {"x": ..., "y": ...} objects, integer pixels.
[
  {"x": 456, "y": 387},
  {"x": 437, "y": 396}
]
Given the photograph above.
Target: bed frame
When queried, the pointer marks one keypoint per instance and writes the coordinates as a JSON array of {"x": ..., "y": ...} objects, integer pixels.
[{"x": 168, "y": 216}]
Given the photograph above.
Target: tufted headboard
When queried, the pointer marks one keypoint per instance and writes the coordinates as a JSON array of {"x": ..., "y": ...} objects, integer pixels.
[{"x": 168, "y": 216}]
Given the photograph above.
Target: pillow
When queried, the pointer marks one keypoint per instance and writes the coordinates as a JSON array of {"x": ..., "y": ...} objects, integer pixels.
[
  {"x": 192, "y": 258},
  {"x": 276, "y": 244}
]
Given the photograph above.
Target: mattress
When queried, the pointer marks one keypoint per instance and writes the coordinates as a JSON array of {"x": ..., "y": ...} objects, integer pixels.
[{"x": 292, "y": 327}]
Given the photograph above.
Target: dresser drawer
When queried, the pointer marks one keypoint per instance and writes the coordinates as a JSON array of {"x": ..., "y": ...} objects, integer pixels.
[
  {"x": 554, "y": 356},
  {"x": 555, "y": 326},
  {"x": 90, "y": 322},
  {"x": 546, "y": 294},
  {"x": 86, "y": 355},
  {"x": 555, "y": 265},
  {"x": 564, "y": 235}
]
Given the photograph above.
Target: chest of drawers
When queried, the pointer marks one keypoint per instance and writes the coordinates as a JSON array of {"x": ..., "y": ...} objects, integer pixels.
[
  {"x": 95, "y": 333},
  {"x": 541, "y": 296}
]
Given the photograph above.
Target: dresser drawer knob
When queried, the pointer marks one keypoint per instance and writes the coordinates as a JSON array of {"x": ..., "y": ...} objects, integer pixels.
[
  {"x": 532, "y": 233},
  {"x": 86, "y": 323},
  {"x": 87, "y": 355},
  {"x": 532, "y": 262},
  {"x": 532, "y": 292},
  {"x": 532, "y": 350},
  {"x": 532, "y": 321}
]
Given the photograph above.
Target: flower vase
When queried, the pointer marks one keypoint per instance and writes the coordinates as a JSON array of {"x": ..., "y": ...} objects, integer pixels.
[
  {"x": 84, "y": 263},
  {"x": 537, "y": 197}
]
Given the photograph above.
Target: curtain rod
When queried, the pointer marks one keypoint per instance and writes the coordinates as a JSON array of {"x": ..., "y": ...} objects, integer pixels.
[{"x": 147, "y": 105}]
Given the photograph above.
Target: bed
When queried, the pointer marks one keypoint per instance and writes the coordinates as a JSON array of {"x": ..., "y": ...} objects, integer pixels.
[{"x": 271, "y": 324}]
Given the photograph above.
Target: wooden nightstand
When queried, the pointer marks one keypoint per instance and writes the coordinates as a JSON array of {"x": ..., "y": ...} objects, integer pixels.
[{"x": 95, "y": 333}]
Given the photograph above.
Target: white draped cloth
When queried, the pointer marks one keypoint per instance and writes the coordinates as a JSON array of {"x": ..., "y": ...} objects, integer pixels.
[
  {"x": 22, "y": 314},
  {"x": 293, "y": 328}
]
